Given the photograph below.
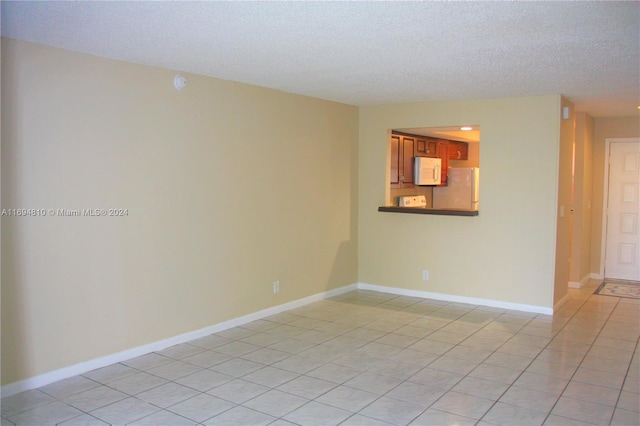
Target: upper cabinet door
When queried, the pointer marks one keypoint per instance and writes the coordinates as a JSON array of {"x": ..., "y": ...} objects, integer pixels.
[
  {"x": 408, "y": 144},
  {"x": 458, "y": 150},
  {"x": 395, "y": 159},
  {"x": 401, "y": 161},
  {"x": 426, "y": 147},
  {"x": 444, "y": 155}
]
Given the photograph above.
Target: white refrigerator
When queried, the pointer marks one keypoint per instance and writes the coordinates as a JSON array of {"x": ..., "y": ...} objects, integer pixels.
[{"x": 461, "y": 191}]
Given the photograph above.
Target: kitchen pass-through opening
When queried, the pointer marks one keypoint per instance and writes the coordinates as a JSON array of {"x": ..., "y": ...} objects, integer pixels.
[{"x": 434, "y": 169}]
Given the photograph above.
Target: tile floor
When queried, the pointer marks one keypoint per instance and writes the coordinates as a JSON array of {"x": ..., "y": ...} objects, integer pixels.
[{"x": 367, "y": 358}]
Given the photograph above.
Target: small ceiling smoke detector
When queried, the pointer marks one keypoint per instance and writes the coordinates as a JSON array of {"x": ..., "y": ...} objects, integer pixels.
[{"x": 180, "y": 81}]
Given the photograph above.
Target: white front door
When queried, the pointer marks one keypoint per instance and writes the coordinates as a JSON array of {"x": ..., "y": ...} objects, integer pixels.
[{"x": 622, "y": 250}]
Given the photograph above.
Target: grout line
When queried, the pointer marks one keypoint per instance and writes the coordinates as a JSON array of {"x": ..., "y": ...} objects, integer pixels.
[
  {"x": 584, "y": 356},
  {"x": 393, "y": 309}
]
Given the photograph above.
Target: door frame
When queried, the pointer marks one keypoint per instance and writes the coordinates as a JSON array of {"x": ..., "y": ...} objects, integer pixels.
[{"x": 605, "y": 198}]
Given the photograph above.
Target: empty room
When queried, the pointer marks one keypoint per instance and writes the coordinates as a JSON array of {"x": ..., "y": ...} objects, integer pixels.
[{"x": 320, "y": 213}]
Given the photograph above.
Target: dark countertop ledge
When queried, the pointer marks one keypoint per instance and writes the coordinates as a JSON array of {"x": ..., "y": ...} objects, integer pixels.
[{"x": 424, "y": 210}]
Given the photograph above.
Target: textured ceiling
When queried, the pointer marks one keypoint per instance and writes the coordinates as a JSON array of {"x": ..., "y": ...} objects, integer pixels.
[{"x": 366, "y": 53}]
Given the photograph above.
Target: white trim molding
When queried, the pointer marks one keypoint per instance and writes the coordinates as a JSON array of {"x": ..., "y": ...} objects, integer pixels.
[
  {"x": 459, "y": 299},
  {"x": 581, "y": 283},
  {"x": 84, "y": 367}
]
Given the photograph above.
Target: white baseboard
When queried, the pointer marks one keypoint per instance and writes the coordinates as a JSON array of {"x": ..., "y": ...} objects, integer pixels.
[
  {"x": 582, "y": 282},
  {"x": 596, "y": 276},
  {"x": 459, "y": 299},
  {"x": 84, "y": 367}
]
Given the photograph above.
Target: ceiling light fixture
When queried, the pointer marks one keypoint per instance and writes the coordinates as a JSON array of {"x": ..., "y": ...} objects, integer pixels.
[{"x": 466, "y": 128}]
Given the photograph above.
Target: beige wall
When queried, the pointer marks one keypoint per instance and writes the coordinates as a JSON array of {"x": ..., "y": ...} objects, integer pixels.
[
  {"x": 583, "y": 184},
  {"x": 205, "y": 239},
  {"x": 229, "y": 187},
  {"x": 619, "y": 127},
  {"x": 507, "y": 253},
  {"x": 563, "y": 230}
]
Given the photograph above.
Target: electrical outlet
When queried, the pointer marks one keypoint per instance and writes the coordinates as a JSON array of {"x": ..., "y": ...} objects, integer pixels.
[
  {"x": 276, "y": 287},
  {"x": 425, "y": 275}
]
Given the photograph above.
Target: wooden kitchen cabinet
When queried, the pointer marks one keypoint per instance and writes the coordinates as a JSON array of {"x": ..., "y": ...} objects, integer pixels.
[
  {"x": 443, "y": 153},
  {"x": 426, "y": 147},
  {"x": 395, "y": 159},
  {"x": 405, "y": 147},
  {"x": 458, "y": 150},
  {"x": 402, "y": 150}
]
